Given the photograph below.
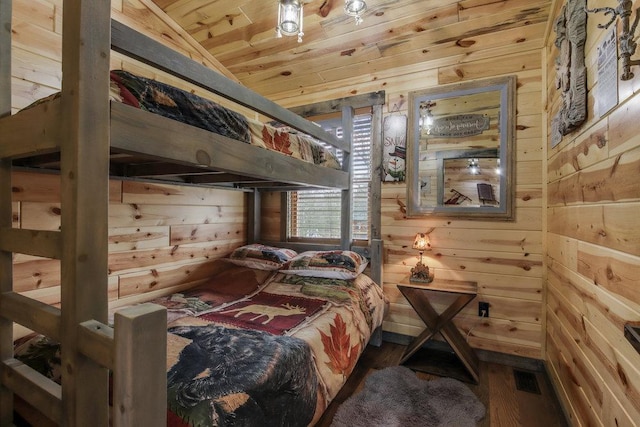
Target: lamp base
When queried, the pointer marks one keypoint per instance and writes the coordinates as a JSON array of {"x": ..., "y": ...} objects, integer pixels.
[{"x": 421, "y": 274}]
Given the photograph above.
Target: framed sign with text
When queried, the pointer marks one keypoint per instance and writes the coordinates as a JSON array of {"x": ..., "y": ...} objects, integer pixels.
[{"x": 394, "y": 134}]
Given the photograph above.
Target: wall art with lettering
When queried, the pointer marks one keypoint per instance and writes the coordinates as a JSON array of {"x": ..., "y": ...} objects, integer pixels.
[{"x": 394, "y": 133}]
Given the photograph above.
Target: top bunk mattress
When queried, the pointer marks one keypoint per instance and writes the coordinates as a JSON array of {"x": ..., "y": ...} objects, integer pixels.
[
  {"x": 183, "y": 106},
  {"x": 177, "y": 104}
]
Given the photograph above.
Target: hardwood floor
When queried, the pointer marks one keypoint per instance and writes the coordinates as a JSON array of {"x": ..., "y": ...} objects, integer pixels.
[{"x": 507, "y": 405}]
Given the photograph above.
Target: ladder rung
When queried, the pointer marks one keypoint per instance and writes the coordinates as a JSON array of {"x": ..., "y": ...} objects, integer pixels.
[
  {"x": 36, "y": 389},
  {"x": 33, "y": 314},
  {"x": 42, "y": 243}
]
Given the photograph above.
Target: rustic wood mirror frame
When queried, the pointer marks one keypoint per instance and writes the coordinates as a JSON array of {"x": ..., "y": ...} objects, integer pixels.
[{"x": 505, "y": 147}]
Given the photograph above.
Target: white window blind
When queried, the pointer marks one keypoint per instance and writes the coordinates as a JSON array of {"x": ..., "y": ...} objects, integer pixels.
[{"x": 316, "y": 213}]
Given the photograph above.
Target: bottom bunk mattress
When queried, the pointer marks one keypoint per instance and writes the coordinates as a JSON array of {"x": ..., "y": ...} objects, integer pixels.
[{"x": 253, "y": 347}]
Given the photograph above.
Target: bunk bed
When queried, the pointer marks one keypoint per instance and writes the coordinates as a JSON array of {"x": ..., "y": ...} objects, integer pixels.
[{"x": 117, "y": 139}]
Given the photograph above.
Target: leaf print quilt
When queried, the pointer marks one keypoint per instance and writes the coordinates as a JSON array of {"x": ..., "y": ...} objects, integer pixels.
[{"x": 274, "y": 351}]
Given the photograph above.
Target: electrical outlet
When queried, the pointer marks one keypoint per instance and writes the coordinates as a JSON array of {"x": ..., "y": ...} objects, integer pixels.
[{"x": 483, "y": 309}]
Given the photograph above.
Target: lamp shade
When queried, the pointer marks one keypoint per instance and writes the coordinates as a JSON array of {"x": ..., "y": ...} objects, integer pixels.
[{"x": 421, "y": 242}]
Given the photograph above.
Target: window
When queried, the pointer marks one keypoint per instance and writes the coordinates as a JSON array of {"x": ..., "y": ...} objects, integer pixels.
[{"x": 316, "y": 213}]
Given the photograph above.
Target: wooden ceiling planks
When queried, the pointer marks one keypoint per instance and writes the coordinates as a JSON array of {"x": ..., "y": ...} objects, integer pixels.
[{"x": 410, "y": 36}]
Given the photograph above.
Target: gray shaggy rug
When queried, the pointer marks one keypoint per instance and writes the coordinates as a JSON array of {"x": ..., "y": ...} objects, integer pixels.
[{"x": 396, "y": 397}]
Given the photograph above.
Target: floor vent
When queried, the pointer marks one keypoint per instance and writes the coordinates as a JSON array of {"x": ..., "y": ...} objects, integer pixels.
[{"x": 526, "y": 381}]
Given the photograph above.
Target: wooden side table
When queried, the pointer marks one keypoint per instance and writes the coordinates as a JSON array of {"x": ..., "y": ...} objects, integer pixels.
[{"x": 418, "y": 296}]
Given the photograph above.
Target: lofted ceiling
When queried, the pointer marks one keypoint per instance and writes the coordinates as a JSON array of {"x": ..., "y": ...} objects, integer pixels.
[{"x": 397, "y": 37}]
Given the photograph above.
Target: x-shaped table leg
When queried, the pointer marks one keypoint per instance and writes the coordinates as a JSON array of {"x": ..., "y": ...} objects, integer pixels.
[{"x": 441, "y": 323}]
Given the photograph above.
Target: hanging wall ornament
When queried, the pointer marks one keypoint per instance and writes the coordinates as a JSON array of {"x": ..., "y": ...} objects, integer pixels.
[{"x": 571, "y": 72}]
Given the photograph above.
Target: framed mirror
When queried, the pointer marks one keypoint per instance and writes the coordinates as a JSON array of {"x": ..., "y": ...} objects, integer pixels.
[{"x": 460, "y": 150}]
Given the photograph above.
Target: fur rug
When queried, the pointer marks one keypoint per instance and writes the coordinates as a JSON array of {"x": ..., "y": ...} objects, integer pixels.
[{"x": 396, "y": 397}]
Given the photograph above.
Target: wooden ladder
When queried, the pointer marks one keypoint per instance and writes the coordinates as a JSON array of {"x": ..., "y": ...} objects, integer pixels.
[{"x": 78, "y": 125}]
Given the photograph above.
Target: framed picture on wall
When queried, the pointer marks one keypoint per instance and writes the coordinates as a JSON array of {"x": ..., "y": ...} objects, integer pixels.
[{"x": 394, "y": 134}]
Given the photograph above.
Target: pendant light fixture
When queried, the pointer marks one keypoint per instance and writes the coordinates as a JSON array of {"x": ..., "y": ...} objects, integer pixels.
[
  {"x": 355, "y": 8},
  {"x": 426, "y": 118},
  {"x": 474, "y": 167},
  {"x": 290, "y": 19}
]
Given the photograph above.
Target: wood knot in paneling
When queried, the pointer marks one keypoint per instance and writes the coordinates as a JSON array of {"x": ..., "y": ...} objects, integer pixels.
[
  {"x": 465, "y": 43},
  {"x": 325, "y": 8},
  {"x": 203, "y": 158},
  {"x": 622, "y": 375},
  {"x": 611, "y": 275}
]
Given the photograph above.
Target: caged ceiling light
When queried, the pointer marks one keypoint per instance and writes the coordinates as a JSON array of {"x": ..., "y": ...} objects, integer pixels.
[
  {"x": 355, "y": 8},
  {"x": 290, "y": 19},
  {"x": 474, "y": 167}
]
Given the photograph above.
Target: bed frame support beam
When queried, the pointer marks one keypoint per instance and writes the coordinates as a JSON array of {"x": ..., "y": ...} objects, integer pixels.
[
  {"x": 140, "y": 403},
  {"x": 36, "y": 389},
  {"x": 84, "y": 203},
  {"x": 206, "y": 149},
  {"x": 96, "y": 342},
  {"x": 346, "y": 232},
  {"x": 254, "y": 230},
  {"x": 139, "y": 327},
  {"x": 6, "y": 259},
  {"x": 33, "y": 131},
  {"x": 40, "y": 243},
  {"x": 34, "y": 315},
  {"x": 377, "y": 174}
]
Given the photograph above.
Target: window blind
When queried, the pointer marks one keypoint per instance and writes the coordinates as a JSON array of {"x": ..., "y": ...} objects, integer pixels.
[{"x": 316, "y": 213}]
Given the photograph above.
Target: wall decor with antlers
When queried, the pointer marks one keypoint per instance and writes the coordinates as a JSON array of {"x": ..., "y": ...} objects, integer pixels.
[{"x": 626, "y": 39}]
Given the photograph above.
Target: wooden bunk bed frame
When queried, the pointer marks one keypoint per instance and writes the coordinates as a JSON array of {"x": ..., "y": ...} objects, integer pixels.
[{"x": 82, "y": 125}]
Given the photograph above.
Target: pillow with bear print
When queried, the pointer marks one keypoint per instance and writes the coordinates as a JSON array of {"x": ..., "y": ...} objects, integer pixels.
[
  {"x": 336, "y": 264},
  {"x": 261, "y": 257}
]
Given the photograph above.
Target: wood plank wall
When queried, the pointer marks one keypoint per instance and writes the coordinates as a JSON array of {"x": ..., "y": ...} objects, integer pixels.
[
  {"x": 161, "y": 237},
  {"x": 37, "y": 48},
  {"x": 594, "y": 249},
  {"x": 505, "y": 258}
]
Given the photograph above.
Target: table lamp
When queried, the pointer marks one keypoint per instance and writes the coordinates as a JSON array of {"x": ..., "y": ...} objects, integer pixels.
[{"x": 420, "y": 273}]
